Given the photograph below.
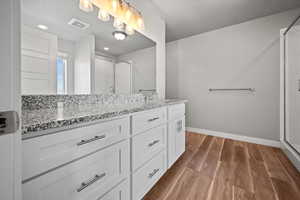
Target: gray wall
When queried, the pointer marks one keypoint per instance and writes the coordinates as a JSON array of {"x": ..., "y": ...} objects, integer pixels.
[
  {"x": 143, "y": 68},
  {"x": 243, "y": 55}
]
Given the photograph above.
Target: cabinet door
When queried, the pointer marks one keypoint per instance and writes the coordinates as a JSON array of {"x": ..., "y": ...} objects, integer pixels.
[{"x": 176, "y": 140}]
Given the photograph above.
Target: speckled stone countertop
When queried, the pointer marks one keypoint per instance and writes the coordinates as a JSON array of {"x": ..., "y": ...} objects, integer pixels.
[{"x": 45, "y": 121}]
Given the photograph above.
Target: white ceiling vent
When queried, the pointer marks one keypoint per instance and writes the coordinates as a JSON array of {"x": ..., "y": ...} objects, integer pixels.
[{"x": 78, "y": 24}]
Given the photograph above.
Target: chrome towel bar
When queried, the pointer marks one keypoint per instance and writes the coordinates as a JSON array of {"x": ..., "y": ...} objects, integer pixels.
[
  {"x": 232, "y": 89},
  {"x": 151, "y": 90}
]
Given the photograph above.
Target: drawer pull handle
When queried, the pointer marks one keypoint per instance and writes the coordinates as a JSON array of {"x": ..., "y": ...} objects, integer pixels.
[
  {"x": 153, "y": 173},
  {"x": 90, "y": 182},
  {"x": 153, "y": 143},
  {"x": 153, "y": 119},
  {"x": 82, "y": 142}
]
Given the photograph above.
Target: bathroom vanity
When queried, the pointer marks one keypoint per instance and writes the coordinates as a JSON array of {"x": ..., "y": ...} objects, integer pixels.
[
  {"x": 115, "y": 153},
  {"x": 90, "y": 128}
]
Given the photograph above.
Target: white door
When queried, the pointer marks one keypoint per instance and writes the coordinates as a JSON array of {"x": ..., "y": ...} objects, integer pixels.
[
  {"x": 293, "y": 87},
  {"x": 123, "y": 78},
  {"x": 10, "y": 144},
  {"x": 38, "y": 54},
  {"x": 104, "y": 76}
]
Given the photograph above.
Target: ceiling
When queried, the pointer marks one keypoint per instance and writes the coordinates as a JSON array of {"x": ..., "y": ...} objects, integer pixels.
[
  {"x": 57, "y": 13},
  {"x": 190, "y": 17}
]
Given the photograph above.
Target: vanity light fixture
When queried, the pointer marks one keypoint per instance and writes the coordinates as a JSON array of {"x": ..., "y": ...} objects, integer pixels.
[
  {"x": 126, "y": 17},
  {"x": 106, "y": 48},
  {"x": 42, "y": 27},
  {"x": 119, "y": 35},
  {"x": 118, "y": 24},
  {"x": 129, "y": 30},
  {"x": 103, "y": 15},
  {"x": 86, "y": 5}
]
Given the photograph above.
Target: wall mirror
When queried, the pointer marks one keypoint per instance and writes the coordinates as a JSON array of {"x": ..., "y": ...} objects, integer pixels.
[{"x": 68, "y": 51}]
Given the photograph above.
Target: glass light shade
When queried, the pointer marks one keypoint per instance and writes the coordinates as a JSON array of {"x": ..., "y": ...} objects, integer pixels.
[
  {"x": 103, "y": 15},
  {"x": 129, "y": 30},
  {"x": 119, "y": 35},
  {"x": 86, "y": 5},
  {"x": 127, "y": 11},
  {"x": 140, "y": 22},
  {"x": 115, "y": 5},
  {"x": 103, "y": 4},
  {"x": 118, "y": 24}
]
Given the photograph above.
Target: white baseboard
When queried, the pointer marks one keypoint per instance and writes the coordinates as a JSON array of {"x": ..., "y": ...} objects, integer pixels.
[{"x": 272, "y": 143}]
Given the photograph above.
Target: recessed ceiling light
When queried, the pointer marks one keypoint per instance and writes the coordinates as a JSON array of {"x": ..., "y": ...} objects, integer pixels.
[
  {"x": 106, "y": 48},
  {"x": 119, "y": 35},
  {"x": 43, "y": 27}
]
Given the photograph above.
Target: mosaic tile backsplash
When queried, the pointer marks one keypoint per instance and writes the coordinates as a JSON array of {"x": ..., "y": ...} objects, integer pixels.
[{"x": 35, "y": 102}]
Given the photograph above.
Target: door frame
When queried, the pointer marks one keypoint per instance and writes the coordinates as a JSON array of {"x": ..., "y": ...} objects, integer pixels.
[{"x": 11, "y": 93}]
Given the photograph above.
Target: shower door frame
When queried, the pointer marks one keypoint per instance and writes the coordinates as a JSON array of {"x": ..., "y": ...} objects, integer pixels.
[{"x": 290, "y": 151}]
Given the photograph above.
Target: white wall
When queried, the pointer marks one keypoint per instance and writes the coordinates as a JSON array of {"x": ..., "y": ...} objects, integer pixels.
[
  {"x": 68, "y": 47},
  {"x": 143, "y": 68},
  {"x": 104, "y": 76},
  {"x": 243, "y": 55}
]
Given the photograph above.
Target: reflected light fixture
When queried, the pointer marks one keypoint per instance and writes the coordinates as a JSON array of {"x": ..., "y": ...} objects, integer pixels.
[
  {"x": 129, "y": 30},
  {"x": 86, "y": 5},
  {"x": 119, "y": 35},
  {"x": 106, "y": 48},
  {"x": 115, "y": 4},
  {"x": 118, "y": 24},
  {"x": 103, "y": 15},
  {"x": 128, "y": 11},
  {"x": 126, "y": 18}
]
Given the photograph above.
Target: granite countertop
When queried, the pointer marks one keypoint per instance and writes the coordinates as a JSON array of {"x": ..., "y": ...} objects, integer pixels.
[{"x": 45, "y": 121}]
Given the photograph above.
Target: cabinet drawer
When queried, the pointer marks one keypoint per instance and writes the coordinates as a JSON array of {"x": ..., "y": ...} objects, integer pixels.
[
  {"x": 146, "y": 120},
  {"x": 147, "y": 144},
  {"x": 57, "y": 149},
  {"x": 121, "y": 192},
  {"x": 88, "y": 177},
  {"x": 176, "y": 111},
  {"x": 148, "y": 175}
]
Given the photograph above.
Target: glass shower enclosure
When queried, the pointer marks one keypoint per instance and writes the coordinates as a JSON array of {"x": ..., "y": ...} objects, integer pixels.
[{"x": 290, "y": 90}]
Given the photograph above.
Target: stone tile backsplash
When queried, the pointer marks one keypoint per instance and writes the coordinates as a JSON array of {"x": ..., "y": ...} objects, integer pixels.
[{"x": 35, "y": 102}]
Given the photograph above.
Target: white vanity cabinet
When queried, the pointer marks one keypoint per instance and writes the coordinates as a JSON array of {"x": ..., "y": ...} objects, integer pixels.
[
  {"x": 119, "y": 159},
  {"x": 176, "y": 132},
  {"x": 149, "y": 150}
]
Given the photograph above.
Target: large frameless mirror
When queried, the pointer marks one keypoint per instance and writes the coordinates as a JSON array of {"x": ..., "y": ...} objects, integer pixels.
[{"x": 68, "y": 51}]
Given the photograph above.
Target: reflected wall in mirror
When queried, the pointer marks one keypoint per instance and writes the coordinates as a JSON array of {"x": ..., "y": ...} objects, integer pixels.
[{"x": 68, "y": 51}]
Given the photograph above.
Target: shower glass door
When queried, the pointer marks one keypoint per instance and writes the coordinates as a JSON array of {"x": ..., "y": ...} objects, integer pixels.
[{"x": 292, "y": 87}]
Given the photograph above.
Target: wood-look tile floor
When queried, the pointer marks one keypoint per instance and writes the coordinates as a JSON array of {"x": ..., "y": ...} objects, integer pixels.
[{"x": 214, "y": 168}]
